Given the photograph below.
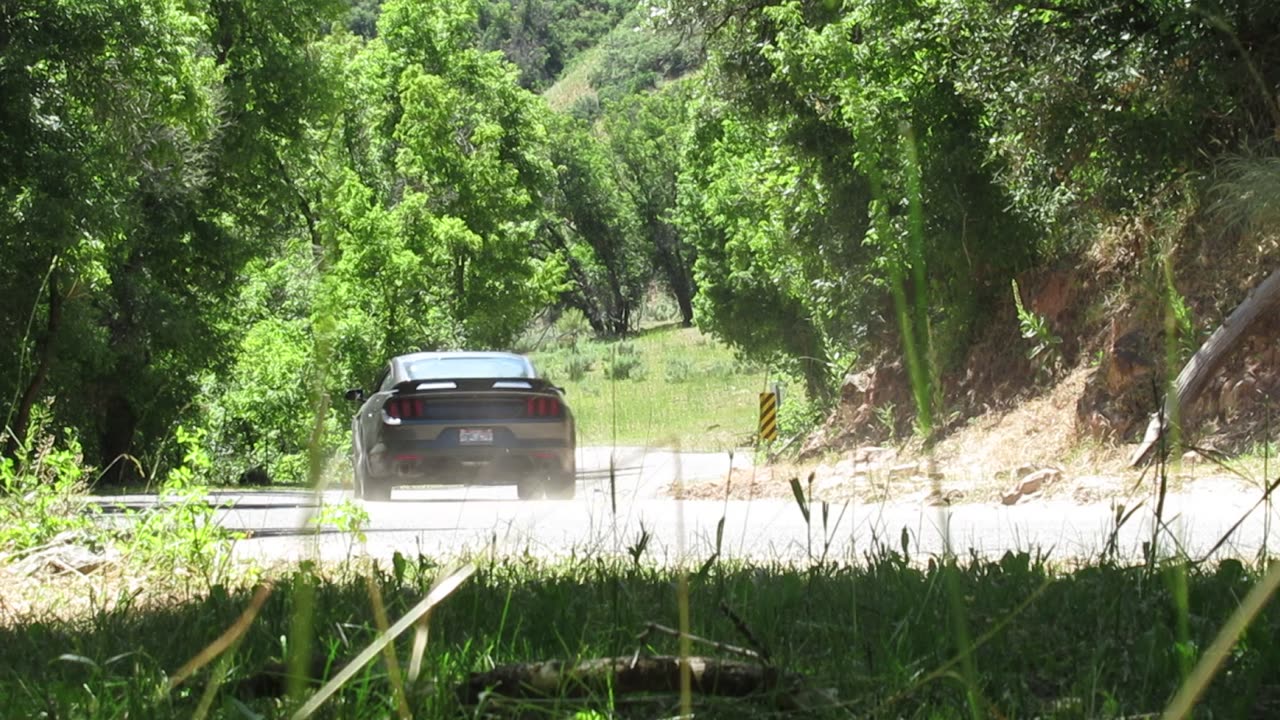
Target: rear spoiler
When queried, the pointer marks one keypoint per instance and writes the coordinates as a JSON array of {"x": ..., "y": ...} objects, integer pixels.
[{"x": 538, "y": 385}]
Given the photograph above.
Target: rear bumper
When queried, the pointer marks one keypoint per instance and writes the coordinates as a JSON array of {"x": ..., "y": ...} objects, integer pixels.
[{"x": 411, "y": 458}]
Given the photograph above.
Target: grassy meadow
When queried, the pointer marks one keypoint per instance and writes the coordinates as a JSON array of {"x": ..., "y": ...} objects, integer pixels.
[{"x": 665, "y": 386}]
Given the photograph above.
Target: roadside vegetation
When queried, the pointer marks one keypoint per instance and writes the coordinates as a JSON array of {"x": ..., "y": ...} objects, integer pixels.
[
  {"x": 185, "y": 252},
  {"x": 885, "y": 635},
  {"x": 663, "y": 386},
  {"x": 218, "y": 216},
  {"x": 49, "y": 524}
]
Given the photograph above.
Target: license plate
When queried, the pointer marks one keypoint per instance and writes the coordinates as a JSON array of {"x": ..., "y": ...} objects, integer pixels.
[{"x": 475, "y": 436}]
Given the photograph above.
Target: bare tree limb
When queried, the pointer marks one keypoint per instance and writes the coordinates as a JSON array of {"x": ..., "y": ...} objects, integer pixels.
[{"x": 1207, "y": 360}]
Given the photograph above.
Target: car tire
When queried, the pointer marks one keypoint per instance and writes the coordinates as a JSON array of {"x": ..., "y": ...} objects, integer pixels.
[
  {"x": 368, "y": 488},
  {"x": 561, "y": 486},
  {"x": 529, "y": 487},
  {"x": 376, "y": 491},
  {"x": 361, "y": 476}
]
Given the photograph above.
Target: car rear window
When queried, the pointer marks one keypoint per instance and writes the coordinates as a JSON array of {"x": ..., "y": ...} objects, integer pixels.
[{"x": 449, "y": 368}]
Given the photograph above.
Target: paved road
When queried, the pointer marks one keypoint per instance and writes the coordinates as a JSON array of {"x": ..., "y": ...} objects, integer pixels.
[{"x": 449, "y": 520}]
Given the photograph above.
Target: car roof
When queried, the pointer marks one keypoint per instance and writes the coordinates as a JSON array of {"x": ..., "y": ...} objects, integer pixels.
[
  {"x": 399, "y": 362},
  {"x": 478, "y": 354}
]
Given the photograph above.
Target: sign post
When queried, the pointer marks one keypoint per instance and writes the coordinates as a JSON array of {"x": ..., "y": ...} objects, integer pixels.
[{"x": 768, "y": 416}]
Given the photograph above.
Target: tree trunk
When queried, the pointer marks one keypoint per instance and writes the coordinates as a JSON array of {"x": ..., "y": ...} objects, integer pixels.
[
  {"x": 36, "y": 385},
  {"x": 459, "y": 279},
  {"x": 116, "y": 440},
  {"x": 1207, "y": 360},
  {"x": 682, "y": 286},
  {"x": 686, "y": 308},
  {"x": 578, "y": 298}
]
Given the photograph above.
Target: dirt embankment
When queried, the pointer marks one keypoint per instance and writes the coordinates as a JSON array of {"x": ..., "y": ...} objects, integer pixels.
[{"x": 1069, "y": 417}]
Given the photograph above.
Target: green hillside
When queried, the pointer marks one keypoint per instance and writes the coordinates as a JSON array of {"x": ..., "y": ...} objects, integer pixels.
[
  {"x": 637, "y": 56},
  {"x": 223, "y": 232}
]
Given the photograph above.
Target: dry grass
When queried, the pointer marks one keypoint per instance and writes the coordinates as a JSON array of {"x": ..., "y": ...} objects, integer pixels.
[
  {"x": 973, "y": 464},
  {"x": 70, "y": 596},
  {"x": 1040, "y": 432},
  {"x": 575, "y": 83},
  {"x": 743, "y": 483}
]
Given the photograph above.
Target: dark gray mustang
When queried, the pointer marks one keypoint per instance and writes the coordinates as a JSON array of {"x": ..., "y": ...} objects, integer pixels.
[{"x": 463, "y": 417}]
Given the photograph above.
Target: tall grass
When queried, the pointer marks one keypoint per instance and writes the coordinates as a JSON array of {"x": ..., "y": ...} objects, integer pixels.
[{"x": 877, "y": 638}]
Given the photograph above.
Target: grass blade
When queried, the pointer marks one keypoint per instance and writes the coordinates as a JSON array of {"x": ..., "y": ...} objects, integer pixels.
[
  {"x": 224, "y": 641},
  {"x": 389, "y": 652},
  {"x": 1213, "y": 657},
  {"x": 798, "y": 492},
  {"x": 433, "y": 598}
]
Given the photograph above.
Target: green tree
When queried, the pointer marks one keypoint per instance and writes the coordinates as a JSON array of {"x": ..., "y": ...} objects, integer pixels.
[
  {"x": 646, "y": 135},
  {"x": 104, "y": 146},
  {"x": 757, "y": 288},
  {"x": 592, "y": 224}
]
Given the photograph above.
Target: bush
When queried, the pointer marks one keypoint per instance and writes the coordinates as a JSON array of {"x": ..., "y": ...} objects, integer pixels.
[
  {"x": 571, "y": 327},
  {"x": 678, "y": 370},
  {"x": 660, "y": 307},
  {"x": 180, "y": 535},
  {"x": 577, "y": 365},
  {"x": 42, "y": 500},
  {"x": 625, "y": 364},
  {"x": 799, "y": 416},
  {"x": 41, "y": 495}
]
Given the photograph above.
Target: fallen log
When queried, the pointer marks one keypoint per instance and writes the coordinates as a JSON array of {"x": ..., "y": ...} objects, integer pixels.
[
  {"x": 625, "y": 675},
  {"x": 1207, "y": 360}
]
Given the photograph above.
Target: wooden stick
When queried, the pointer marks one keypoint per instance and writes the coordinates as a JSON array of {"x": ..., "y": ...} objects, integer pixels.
[
  {"x": 716, "y": 644},
  {"x": 623, "y": 675}
]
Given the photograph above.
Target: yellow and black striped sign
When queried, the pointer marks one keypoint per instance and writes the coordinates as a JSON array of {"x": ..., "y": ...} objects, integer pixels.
[{"x": 768, "y": 417}]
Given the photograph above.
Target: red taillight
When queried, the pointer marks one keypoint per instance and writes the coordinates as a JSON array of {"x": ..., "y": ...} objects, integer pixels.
[
  {"x": 406, "y": 408},
  {"x": 542, "y": 407}
]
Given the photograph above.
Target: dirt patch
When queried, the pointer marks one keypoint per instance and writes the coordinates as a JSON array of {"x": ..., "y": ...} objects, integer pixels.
[
  {"x": 741, "y": 484},
  {"x": 1041, "y": 431},
  {"x": 1034, "y": 450}
]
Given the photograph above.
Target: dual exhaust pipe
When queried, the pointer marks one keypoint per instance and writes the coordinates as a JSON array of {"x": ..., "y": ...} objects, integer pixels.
[{"x": 410, "y": 466}]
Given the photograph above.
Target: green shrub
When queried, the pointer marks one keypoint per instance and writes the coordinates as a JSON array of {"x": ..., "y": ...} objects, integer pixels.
[
  {"x": 624, "y": 365},
  {"x": 572, "y": 327},
  {"x": 678, "y": 370},
  {"x": 799, "y": 416},
  {"x": 660, "y": 307},
  {"x": 180, "y": 535},
  {"x": 1044, "y": 351},
  {"x": 577, "y": 365},
  {"x": 41, "y": 495}
]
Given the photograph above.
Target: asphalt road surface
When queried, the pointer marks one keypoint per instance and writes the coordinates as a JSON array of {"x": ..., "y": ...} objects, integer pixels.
[{"x": 612, "y": 517}]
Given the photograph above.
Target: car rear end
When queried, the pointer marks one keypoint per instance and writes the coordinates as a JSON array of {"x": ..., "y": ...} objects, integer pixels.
[{"x": 476, "y": 430}]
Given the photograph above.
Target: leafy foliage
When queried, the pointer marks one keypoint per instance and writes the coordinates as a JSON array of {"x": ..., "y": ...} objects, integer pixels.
[
  {"x": 639, "y": 55},
  {"x": 646, "y": 142},
  {"x": 596, "y": 230},
  {"x": 220, "y": 213},
  {"x": 137, "y": 170},
  {"x": 928, "y": 152},
  {"x": 41, "y": 495},
  {"x": 1035, "y": 329}
]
